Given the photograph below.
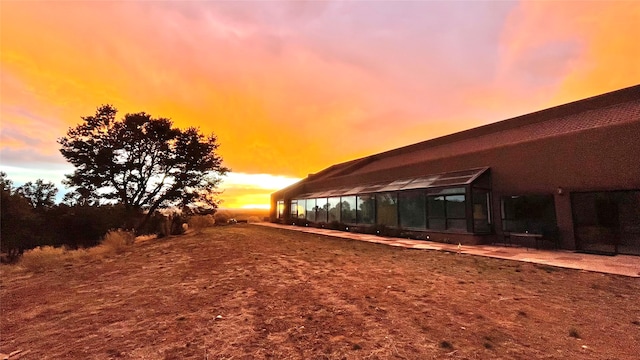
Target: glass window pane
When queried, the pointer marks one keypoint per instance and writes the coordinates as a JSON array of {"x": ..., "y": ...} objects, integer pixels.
[
  {"x": 366, "y": 209},
  {"x": 481, "y": 219},
  {"x": 311, "y": 209},
  {"x": 413, "y": 212},
  {"x": 532, "y": 213},
  {"x": 348, "y": 209},
  {"x": 437, "y": 224},
  {"x": 321, "y": 210},
  {"x": 294, "y": 208},
  {"x": 446, "y": 191},
  {"x": 301, "y": 208},
  {"x": 280, "y": 209},
  {"x": 435, "y": 206},
  {"x": 333, "y": 204},
  {"x": 456, "y": 224},
  {"x": 395, "y": 185},
  {"x": 455, "y": 206},
  {"x": 387, "y": 209}
]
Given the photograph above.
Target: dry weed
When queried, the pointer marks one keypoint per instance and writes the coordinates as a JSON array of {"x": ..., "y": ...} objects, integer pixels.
[
  {"x": 45, "y": 258},
  {"x": 143, "y": 238},
  {"x": 199, "y": 222},
  {"x": 222, "y": 217},
  {"x": 42, "y": 258},
  {"x": 117, "y": 241}
]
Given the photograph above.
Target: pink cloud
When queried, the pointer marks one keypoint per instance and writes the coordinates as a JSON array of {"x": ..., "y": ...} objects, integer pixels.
[{"x": 292, "y": 87}]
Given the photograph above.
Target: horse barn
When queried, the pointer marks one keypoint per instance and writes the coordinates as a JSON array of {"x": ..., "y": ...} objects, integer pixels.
[{"x": 565, "y": 177}]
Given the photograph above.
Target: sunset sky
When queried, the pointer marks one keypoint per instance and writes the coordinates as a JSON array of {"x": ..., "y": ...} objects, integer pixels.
[{"x": 292, "y": 87}]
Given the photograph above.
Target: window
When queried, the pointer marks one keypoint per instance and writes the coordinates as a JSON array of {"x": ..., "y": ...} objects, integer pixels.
[
  {"x": 447, "y": 212},
  {"x": 301, "y": 209},
  {"x": 366, "y": 209},
  {"x": 456, "y": 212},
  {"x": 387, "y": 209},
  {"x": 321, "y": 210},
  {"x": 532, "y": 213},
  {"x": 280, "y": 209},
  {"x": 435, "y": 209},
  {"x": 311, "y": 209},
  {"x": 294, "y": 209},
  {"x": 481, "y": 213},
  {"x": 333, "y": 204},
  {"x": 348, "y": 209},
  {"x": 413, "y": 212}
]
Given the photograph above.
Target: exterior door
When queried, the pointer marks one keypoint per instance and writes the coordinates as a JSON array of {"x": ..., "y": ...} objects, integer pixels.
[{"x": 607, "y": 222}]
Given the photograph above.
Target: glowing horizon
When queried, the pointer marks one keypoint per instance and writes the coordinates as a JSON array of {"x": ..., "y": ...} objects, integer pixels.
[{"x": 291, "y": 88}]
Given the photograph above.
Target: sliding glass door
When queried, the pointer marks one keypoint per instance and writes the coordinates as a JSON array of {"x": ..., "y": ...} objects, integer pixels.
[{"x": 607, "y": 222}]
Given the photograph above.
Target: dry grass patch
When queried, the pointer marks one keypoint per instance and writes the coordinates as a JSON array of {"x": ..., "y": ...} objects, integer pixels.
[
  {"x": 198, "y": 223},
  {"x": 118, "y": 241},
  {"x": 45, "y": 258},
  {"x": 143, "y": 238},
  {"x": 42, "y": 258},
  {"x": 222, "y": 217}
]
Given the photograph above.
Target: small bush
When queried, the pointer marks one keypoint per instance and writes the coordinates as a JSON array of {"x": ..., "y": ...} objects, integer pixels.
[
  {"x": 177, "y": 222},
  {"x": 574, "y": 333},
  {"x": 118, "y": 241},
  {"x": 199, "y": 222},
  {"x": 253, "y": 219},
  {"x": 43, "y": 258},
  {"x": 221, "y": 217}
]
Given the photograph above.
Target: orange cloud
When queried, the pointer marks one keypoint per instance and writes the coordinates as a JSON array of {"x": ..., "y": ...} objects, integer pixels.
[
  {"x": 292, "y": 88},
  {"x": 604, "y": 37}
]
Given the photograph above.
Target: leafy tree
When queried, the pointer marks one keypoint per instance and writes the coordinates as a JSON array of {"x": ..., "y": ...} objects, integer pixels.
[
  {"x": 80, "y": 197},
  {"x": 5, "y": 183},
  {"x": 141, "y": 162},
  {"x": 41, "y": 195},
  {"x": 17, "y": 221}
]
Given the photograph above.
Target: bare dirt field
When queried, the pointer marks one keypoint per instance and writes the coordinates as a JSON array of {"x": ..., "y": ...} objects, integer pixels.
[{"x": 248, "y": 292}]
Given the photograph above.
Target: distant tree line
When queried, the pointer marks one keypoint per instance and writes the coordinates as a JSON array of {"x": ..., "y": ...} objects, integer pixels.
[
  {"x": 30, "y": 218},
  {"x": 125, "y": 171}
]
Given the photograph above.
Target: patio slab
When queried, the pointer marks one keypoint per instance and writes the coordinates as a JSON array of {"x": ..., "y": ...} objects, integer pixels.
[{"x": 625, "y": 265}]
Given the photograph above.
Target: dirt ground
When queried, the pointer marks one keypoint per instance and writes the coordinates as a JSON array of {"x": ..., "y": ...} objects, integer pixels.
[{"x": 248, "y": 292}]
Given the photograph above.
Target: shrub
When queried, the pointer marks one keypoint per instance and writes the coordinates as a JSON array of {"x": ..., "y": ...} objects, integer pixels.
[
  {"x": 177, "y": 220},
  {"x": 42, "y": 258},
  {"x": 199, "y": 222},
  {"x": 574, "y": 333},
  {"x": 253, "y": 219},
  {"x": 118, "y": 241},
  {"x": 221, "y": 217}
]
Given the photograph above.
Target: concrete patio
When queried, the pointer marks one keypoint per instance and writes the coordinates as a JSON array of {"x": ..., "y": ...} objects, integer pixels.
[{"x": 625, "y": 265}]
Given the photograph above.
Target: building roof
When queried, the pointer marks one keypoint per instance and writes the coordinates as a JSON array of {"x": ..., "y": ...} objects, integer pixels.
[
  {"x": 454, "y": 178},
  {"x": 599, "y": 111}
]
